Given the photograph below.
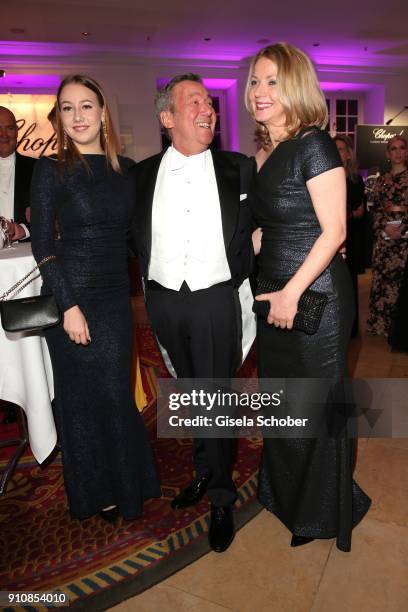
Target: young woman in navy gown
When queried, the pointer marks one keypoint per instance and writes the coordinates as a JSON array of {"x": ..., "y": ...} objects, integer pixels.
[{"x": 89, "y": 192}]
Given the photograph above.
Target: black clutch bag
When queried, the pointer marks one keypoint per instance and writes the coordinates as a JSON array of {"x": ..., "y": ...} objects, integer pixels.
[
  {"x": 311, "y": 305},
  {"x": 30, "y": 313}
]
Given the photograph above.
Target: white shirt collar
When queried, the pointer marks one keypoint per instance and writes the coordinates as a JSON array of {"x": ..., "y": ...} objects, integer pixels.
[
  {"x": 178, "y": 160},
  {"x": 7, "y": 162}
]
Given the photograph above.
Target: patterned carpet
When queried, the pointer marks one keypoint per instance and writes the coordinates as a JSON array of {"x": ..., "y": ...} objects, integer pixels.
[{"x": 96, "y": 564}]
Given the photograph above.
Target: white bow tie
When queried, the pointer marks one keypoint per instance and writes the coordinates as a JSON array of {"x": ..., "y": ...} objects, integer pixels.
[{"x": 179, "y": 161}]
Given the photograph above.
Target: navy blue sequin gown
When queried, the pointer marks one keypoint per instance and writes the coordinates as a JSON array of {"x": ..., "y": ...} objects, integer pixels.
[
  {"x": 307, "y": 483},
  {"x": 106, "y": 453}
]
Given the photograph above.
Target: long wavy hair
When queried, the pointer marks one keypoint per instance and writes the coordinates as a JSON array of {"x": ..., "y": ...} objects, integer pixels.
[
  {"x": 298, "y": 91},
  {"x": 110, "y": 144},
  {"x": 351, "y": 163}
]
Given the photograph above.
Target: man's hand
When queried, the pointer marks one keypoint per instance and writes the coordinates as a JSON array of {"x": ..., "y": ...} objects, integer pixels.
[{"x": 16, "y": 231}]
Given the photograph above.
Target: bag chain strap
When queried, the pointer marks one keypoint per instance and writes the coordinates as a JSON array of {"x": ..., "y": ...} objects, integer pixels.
[{"x": 20, "y": 285}]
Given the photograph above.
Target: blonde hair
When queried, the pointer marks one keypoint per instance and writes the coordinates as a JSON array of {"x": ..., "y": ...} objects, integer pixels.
[
  {"x": 109, "y": 144},
  {"x": 395, "y": 139},
  {"x": 298, "y": 91}
]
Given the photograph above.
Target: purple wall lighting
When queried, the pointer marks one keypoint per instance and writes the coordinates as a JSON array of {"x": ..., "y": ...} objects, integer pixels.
[
  {"x": 29, "y": 83},
  {"x": 343, "y": 87}
]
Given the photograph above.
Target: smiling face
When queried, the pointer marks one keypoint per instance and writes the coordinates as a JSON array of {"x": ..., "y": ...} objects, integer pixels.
[
  {"x": 8, "y": 132},
  {"x": 263, "y": 97},
  {"x": 192, "y": 119},
  {"x": 81, "y": 116}
]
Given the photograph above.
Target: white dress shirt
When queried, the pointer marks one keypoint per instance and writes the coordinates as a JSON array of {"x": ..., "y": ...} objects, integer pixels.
[
  {"x": 7, "y": 178},
  {"x": 187, "y": 237}
]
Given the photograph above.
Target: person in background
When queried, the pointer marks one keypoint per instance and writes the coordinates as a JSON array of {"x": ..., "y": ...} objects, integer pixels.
[
  {"x": 15, "y": 179},
  {"x": 107, "y": 459},
  {"x": 355, "y": 217},
  {"x": 398, "y": 336},
  {"x": 390, "y": 226},
  {"x": 299, "y": 201}
]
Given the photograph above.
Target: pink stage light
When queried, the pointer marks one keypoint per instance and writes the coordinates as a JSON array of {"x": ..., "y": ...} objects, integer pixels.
[{"x": 29, "y": 83}]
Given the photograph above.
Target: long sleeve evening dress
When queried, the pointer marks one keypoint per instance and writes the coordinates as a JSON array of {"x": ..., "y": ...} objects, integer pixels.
[{"x": 106, "y": 454}]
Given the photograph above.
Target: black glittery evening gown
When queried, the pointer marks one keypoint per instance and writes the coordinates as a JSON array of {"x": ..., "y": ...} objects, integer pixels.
[
  {"x": 106, "y": 453},
  {"x": 307, "y": 483}
]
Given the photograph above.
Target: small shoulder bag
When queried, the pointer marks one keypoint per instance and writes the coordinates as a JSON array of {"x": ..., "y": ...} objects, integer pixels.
[{"x": 28, "y": 314}]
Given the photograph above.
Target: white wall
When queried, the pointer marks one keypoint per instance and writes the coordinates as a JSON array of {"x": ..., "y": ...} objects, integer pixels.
[
  {"x": 133, "y": 88},
  {"x": 385, "y": 90},
  {"x": 131, "y": 85}
]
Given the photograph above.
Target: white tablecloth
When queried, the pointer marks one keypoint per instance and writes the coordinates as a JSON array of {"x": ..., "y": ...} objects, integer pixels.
[{"x": 25, "y": 366}]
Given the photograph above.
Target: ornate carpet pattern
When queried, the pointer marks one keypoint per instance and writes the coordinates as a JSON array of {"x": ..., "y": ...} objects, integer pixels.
[{"x": 97, "y": 564}]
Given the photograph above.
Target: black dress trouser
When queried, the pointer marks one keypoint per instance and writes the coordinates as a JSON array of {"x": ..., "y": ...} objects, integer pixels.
[{"x": 200, "y": 330}]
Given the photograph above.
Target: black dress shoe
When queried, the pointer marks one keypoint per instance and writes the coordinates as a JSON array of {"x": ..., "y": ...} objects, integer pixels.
[
  {"x": 300, "y": 540},
  {"x": 111, "y": 515},
  {"x": 222, "y": 529},
  {"x": 191, "y": 494}
]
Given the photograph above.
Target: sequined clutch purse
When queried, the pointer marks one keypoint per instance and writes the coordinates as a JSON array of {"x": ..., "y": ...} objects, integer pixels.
[{"x": 311, "y": 305}]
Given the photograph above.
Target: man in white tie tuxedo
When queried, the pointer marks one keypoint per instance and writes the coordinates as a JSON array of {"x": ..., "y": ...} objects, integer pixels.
[
  {"x": 15, "y": 177},
  {"x": 192, "y": 231},
  {"x": 15, "y": 180}
]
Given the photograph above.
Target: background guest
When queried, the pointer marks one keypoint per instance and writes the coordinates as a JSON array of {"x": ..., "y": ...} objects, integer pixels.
[
  {"x": 15, "y": 177},
  {"x": 390, "y": 225},
  {"x": 398, "y": 336},
  {"x": 15, "y": 180},
  {"x": 107, "y": 460},
  {"x": 355, "y": 217},
  {"x": 299, "y": 201}
]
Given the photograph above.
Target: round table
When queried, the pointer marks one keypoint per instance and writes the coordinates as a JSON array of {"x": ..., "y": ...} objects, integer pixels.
[{"x": 25, "y": 367}]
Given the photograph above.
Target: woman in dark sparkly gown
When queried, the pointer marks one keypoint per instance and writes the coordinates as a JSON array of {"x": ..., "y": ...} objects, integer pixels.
[
  {"x": 299, "y": 203},
  {"x": 355, "y": 217},
  {"x": 107, "y": 460}
]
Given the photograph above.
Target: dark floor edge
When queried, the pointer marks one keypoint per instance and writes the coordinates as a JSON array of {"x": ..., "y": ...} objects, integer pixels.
[{"x": 114, "y": 595}]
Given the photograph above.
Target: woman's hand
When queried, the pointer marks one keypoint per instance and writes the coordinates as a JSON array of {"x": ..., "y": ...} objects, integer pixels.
[
  {"x": 76, "y": 326},
  {"x": 283, "y": 308},
  {"x": 257, "y": 240}
]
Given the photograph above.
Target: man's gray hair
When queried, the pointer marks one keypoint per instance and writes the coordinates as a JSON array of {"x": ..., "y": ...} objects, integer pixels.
[{"x": 164, "y": 97}]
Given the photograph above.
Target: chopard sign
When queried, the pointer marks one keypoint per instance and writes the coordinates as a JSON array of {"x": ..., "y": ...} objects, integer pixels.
[
  {"x": 382, "y": 134},
  {"x": 27, "y": 143},
  {"x": 372, "y": 143}
]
